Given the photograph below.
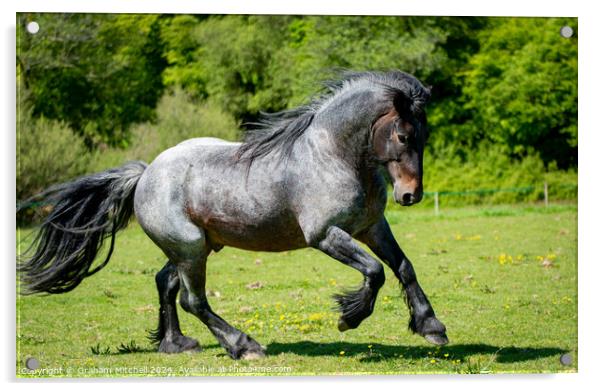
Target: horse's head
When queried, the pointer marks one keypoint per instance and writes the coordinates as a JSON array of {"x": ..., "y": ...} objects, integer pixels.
[{"x": 398, "y": 139}]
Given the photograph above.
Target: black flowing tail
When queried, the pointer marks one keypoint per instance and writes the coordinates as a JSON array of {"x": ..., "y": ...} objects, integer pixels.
[{"x": 84, "y": 213}]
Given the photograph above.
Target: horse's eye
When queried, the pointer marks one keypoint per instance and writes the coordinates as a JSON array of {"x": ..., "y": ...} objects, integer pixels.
[{"x": 403, "y": 139}]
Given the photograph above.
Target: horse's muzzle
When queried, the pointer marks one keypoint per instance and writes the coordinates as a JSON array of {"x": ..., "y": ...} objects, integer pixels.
[
  {"x": 405, "y": 197},
  {"x": 409, "y": 199}
]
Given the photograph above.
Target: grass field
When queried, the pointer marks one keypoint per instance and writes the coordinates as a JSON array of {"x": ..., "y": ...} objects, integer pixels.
[{"x": 503, "y": 280}]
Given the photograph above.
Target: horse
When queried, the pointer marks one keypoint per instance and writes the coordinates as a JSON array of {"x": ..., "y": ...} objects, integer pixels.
[{"x": 313, "y": 176}]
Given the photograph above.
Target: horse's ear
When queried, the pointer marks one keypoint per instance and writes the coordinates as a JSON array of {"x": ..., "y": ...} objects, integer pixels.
[
  {"x": 403, "y": 104},
  {"x": 385, "y": 143}
]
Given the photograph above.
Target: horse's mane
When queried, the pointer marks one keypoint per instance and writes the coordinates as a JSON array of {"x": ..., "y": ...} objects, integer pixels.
[{"x": 280, "y": 130}]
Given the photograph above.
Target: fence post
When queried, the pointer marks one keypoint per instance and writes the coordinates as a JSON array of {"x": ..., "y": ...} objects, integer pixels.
[
  {"x": 545, "y": 193},
  {"x": 436, "y": 203}
]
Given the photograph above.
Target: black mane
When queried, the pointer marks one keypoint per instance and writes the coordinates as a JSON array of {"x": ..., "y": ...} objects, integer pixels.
[
  {"x": 280, "y": 130},
  {"x": 275, "y": 131}
]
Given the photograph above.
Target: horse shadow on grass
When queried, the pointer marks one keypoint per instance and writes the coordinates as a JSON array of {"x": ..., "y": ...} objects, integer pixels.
[
  {"x": 376, "y": 352},
  {"x": 132, "y": 348}
]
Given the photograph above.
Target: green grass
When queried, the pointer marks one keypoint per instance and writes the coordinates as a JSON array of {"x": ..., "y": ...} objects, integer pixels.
[{"x": 482, "y": 267}]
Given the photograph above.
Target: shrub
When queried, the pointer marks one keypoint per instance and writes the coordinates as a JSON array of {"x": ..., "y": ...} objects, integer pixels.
[
  {"x": 487, "y": 175},
  {"x": 48, "y": 152},
  {"x": 179, "y": 118}
]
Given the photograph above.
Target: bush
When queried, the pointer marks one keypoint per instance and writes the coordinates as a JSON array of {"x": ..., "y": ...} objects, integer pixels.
[
  {"x": 99, "y": 73},
  {"x": 179, "y": 118},
  {"x": 477, "y": 178},
  {"x": 48, "y": 152}
]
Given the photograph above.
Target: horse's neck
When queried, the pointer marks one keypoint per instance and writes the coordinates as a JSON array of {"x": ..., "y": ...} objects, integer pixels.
[
  {"x": 325, "y": 148},
  {"x": 343, "y": 127}
]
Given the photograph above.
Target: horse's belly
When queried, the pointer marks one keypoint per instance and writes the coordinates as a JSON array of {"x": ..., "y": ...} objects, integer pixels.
[{"x": 277, "y": 234}]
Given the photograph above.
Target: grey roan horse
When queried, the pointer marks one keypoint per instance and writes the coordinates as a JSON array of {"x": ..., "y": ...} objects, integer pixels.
[{"x": 307, "y": 177}]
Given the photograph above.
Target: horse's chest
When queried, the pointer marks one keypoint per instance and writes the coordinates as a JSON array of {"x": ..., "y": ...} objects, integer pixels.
[
  {"x": 368, "y": 208},
  {"x": 353, "y": 208}
]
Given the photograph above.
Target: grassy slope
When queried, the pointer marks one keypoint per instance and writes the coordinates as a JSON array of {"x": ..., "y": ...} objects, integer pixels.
[{"x": 501, "y": 315}]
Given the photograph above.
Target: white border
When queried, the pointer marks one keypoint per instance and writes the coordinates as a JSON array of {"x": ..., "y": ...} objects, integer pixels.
[
  {"x": 335, "y": 7},
  {"x": 590, "y": 87}
]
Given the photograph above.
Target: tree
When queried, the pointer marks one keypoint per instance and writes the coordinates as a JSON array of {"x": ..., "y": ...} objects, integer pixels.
[
  {"x": 98, "y": 73},
  {"x": 266, "y": 63},
  {"x": 521, "y": 89}
]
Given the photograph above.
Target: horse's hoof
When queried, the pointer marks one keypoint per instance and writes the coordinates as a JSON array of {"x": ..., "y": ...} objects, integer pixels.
[
  {"x": 343, "y": 326},
  {"x": 179, "y": 344},
  {"x": 437, "y": 339}
]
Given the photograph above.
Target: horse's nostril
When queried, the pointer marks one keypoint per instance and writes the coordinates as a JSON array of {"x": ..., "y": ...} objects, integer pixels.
[{"x": 407, "y": 199}]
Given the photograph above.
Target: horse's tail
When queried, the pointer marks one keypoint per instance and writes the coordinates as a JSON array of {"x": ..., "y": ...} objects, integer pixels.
[{"x": 84, "y": 213}]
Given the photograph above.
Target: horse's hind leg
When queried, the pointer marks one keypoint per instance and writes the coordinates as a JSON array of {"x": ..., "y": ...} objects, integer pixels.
[
  {"x": 168, "y": 335},
  {"x": 187, "y": 249},
  {"x": 193, "y": 299}
]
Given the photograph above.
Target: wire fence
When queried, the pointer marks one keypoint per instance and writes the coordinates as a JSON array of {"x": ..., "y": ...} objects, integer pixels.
[{"x": 544, "y": 188}]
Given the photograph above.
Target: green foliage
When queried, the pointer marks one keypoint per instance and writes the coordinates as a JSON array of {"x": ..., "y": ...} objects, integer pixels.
[
  {"x": 180, "y": 45},
  {"x": 179, "y": 117},
  {"x": 320, "y": 46},
  {"x": 506, "y": 81},
  {"x": 490, "y": 168},
  {"x": 253, "y": 63},
  {"x": 48, "y": 152},
  {"x": 503, "y": 112},
  {"x": 99, "y": 73},
  {"x": 520, "y": 92},
  {"x": 230, "y": 60},
  {"x": 489, "y": 176}
]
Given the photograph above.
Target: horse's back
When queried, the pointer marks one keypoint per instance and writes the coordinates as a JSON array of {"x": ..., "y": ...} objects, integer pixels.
[{"x": 206, "y": 141}]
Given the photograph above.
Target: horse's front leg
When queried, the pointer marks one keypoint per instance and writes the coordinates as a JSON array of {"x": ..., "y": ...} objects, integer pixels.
[
  {"x": 355, "y": 305},
  {"x": 423, "y": 321}
]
